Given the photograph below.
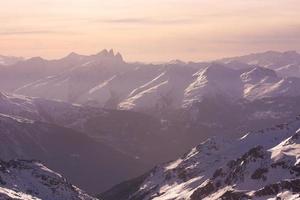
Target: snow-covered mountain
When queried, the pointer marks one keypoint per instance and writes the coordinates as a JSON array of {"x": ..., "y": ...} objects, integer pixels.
[
  {"x": 31, "y": 180},
  {"x": 9, "y": 60},
  {"x": 285, "y": 64},
  {"x": 74, "y": 76},
  {"x": 260, "y": 165},
  {"x": 106, "y": 80},
  {"x": 164, "y": 91}
]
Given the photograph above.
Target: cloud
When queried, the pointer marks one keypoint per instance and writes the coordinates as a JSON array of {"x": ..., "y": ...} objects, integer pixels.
[
  {"x": 34, "y": 32},
  {"x": 278, "y": 35},
  {"x": 145, "y": 21}
]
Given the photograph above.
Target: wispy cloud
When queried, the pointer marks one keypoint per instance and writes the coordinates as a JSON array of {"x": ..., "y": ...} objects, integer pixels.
[
  {"x": 145, "y": 21},
  {"x": 34, "y": 32}
]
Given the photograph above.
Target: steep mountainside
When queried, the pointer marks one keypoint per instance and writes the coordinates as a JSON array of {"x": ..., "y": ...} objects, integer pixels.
[
  {"x": 31, "y": 180},
  {"x": 260, "y": 165},
  {"x": 80, "y": 158}
]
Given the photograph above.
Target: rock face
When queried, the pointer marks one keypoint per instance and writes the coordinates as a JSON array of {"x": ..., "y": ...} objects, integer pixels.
[
  {"x": 260, "y": 165},
  {"x": 23, "y": 179}
]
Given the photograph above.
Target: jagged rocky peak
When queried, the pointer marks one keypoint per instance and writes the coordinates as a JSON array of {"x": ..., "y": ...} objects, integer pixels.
[
  {"x": 110, "y": 54},
  {"x": 119, "y": 56}
]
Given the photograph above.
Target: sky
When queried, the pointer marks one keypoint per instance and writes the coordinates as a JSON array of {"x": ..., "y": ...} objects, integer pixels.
[{"x": 150, "y": 31}]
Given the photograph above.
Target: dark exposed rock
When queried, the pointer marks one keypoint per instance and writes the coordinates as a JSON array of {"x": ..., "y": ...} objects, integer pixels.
[
  {"x": 2, "y": 182},
  {"x": 259, "y": 173},
  {"x": 218, "y": 173},
  {"x": 234, "y": 195},
  {"x": 281, "y": 164},
  {"x": 296, "y": 168},
  {"x": 237, "y": 167},
  {"x": 203, "y": 191},
  {"x": 124, "y": 190},
  {"x": 182, "y": 174},
  {"x": 273, "y": 189}
]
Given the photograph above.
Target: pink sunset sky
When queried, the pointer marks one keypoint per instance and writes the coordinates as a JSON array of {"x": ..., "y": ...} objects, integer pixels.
[{"x": 156, "y": 30}]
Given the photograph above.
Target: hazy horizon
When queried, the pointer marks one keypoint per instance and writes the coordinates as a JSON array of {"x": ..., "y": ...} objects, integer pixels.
[
  {"x": 139, "y": 61},
  {"x": 155, "y": 31}
]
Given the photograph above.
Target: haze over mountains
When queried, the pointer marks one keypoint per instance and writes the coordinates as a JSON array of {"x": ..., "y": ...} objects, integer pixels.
[
  {"x": 106, "y": 80},
  {"x": 99, "y": 120}
]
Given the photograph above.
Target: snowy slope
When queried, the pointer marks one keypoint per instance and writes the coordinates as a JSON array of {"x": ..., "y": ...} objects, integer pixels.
[
  {"x": 31, "y": 180},
  {"x": 266, "y": 88},
  {"x": 212, "y": 82},
  {"x": 260, "y": 165},
  {"x": 110, "y": 92},
  {"x": 165, "y": 91},
  {"x": 52, "y": 111}
]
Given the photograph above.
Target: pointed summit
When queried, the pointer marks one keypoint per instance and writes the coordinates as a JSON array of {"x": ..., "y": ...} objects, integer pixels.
[
  {"x": 104, "y": 52},
  {"x": 111, "y": 52},
  {"x": 119, "y": 57},
  {"x": 73, "y": 54}
]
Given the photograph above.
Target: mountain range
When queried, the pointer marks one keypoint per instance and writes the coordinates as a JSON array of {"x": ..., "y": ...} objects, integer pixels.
[
  {"x": 99, "y": 120},
  {"x": 259, "y": 165},
  {"x": 29, "y": 130},
  {"x": 106, "y": 80}
]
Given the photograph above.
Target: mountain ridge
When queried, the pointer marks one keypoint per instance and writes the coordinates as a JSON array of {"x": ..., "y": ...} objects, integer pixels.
[
  {"x": 106, "y": 80},
  {"x": 246, "y": 168}
]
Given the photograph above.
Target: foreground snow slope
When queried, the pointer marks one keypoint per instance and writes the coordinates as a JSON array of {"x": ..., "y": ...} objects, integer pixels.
[
  {"x": 260, "y": 165},
  {"x": 31, "y": 180}
]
